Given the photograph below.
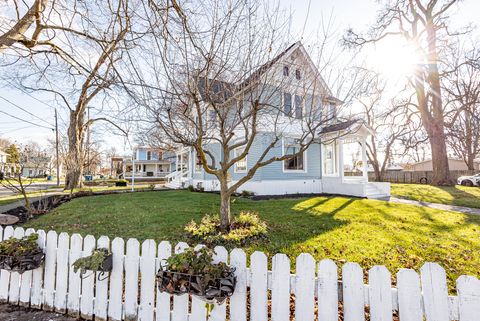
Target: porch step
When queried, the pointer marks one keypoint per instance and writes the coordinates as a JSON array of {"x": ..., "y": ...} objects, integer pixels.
[
  {"x": 373, "y": 193},
  {"x": 174, "y": 184}
]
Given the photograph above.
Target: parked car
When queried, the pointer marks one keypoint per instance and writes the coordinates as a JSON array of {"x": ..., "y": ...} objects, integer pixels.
[{"x": 473, "y": 180}]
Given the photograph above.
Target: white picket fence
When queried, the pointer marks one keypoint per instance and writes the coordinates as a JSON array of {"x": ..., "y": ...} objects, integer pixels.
[{"x": 130, "y": 293}]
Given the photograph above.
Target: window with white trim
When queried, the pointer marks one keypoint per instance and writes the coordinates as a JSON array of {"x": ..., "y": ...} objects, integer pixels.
[
  {"x": 198, "y": 163},
  {"x": 296, "y": 163},
  {"x": 298, "y": 107},
  {"x": 287, "y": 104},
  {"x": 240, "y": 165},
  {"x": 149, "y": 155},
  {"x": 286, "y": 71},
  {"x": 329, "y": 161}
]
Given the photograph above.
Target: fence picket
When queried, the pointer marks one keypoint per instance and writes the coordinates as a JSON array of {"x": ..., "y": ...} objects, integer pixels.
[
  {"x": 305, "y": 288},
  {"x": 49, "y": 278},
  {"x": 101, "y": 285},
  {"x": 26, "y": 282},
  {"x": 15, "y": 277},
  {"x": 116, "y": 280},
  {"x": 132, "y": 262},
  {"x": 219, "y": 311},
  {"x": 180, "y": 302},
  {"x": 36, "y": 299},
  {"x": 147, "y": 285},
  {"x": 88, "y": 281},
  {"x": 238, "y": 301},
  {"x": 199, "y": 311},
  {"x": 380, "y": 294},
  {"x": 468, "y": 289},
  {"x": 163, "y": 299},
  {"x": 5, "y": 276},
  {"x": 327, "y": 291},
  {"x": 409, "y": 295},
  {"x": 280, "y": 288},
  {"x": 435, "y": 294},
  {"x": 61, "y": 281},
  {"x": 74, "y": 281},
  {"x": 353, "y": 293},
  {"x": 258, "y": 287}
]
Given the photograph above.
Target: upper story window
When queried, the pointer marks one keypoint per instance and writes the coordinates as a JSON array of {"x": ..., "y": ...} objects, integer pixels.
[
  {"x": 286, "y": 71},
  {"x": 298, "y": 107},
  {"x": 287, "y": 104},
  {"x": 212, "y": 117},
  {"x": 298, "y": 74},
  {"x": 240, "y": 165},
  {"x": 149, "y": 155},
  {"x": 296, "y": 163},
  {"x": 331, "y": 112}
]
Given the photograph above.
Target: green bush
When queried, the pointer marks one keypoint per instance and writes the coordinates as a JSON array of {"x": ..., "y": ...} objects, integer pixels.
[
  {"x": 245, "y": 228},
  {"x": 191, "y": 188},
  {"x": 93, "y": 262},
  {"x": 246, "y": 193},
  {"x": 20, "y": 247},
  {"x": 197, "y": 262}
]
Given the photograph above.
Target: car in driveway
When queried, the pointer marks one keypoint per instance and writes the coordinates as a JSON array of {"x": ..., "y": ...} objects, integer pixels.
[{"x": 473, "y": 180}]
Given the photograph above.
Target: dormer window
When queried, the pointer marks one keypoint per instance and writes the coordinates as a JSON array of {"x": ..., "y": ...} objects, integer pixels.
[
  {"x": 298, "y": 75},
  {"x": 286, "y": 71}
]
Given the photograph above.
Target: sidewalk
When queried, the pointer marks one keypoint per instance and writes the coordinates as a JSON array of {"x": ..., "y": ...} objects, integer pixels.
[{"x": 445, "y": 207}]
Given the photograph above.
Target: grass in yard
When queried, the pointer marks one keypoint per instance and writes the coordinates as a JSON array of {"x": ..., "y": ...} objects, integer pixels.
[
  {"x": 369, "y": 232},
  {"x": 451, "y": 195}
]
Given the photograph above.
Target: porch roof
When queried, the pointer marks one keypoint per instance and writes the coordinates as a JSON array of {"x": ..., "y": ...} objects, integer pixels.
[
  {"x": 152, "y": 161},
  {"x": 354, "y": 127}
]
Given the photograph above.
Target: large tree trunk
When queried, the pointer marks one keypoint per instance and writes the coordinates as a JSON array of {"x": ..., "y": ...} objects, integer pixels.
[
  {"x": 75, "y": 159},
  {"x": 441, "y": 170},
  {"x": 225, "y": 196}
]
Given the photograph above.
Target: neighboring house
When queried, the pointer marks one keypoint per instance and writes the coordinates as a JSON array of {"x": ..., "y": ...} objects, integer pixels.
[
  {"x": 37, "y": 166},
  {"x": 321, "y": 167},
  {"x": 453, "y": 164},
  {"x": 148, "y": 163},
  {"x": 6, "y": 169}
]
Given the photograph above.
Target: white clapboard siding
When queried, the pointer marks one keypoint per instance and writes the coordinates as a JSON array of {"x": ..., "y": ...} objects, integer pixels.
[
  {"x": 5, "y": 276},
  {"x": 14, "y": 289},
  {"x": 258, "y": 287},
  {"x": 468, "y": 289},
  {"x": 101, "y": 285},
  {"x": 353, "y": 293},
  {"x": 130, "y": 291},
  {"x": 380, "y": 294},
  {"x": 49, "y": 278},
  {"x": 36, "y": 296},
  {"x": 131, "y": 279},
  {"x": 180, "y": 302},
  {"x": 327, "y": 291},
  {"x": 88, "y": 281},
  {"x": 26, "y": 282},
  {"x": 74, "y": 281},
  {"x": 409, "y": 295},
  {"x": 219, "y": 311},
  {"x": 162, "y": 306},
  {"x": 147, "y": 285},
  {"x": 198, "y": 310},
  {"x": 61, "y": 278},
  {"x": 280, "y": 288},
  {"x": 305, "y": 288},
  {"x": 435, "y": 293},
  {"x": 116, "y": 280}
]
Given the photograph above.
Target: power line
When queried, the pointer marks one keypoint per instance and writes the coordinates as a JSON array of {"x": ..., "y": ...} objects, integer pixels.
[
  {"x": 24, "y": 120},
  {"x": 23, "y": 109}
]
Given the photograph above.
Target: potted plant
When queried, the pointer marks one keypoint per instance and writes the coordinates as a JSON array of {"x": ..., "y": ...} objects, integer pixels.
[
  {"x": 99, "y": 261},
  {"x": 20, "y": 255},
  {"x": 194, "y": 273}
]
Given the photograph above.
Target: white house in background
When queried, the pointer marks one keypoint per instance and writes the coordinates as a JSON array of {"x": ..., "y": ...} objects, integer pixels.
[
  {"x": 148, "y": 164},
  {"x": 320, "y": 169}
]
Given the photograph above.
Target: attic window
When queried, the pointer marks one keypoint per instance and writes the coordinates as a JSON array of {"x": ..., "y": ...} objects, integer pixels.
[
  {"x": 298, "y": 75},
  {"x": 286, "y": 71}
]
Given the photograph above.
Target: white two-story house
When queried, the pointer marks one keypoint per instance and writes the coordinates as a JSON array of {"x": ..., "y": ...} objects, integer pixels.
[{"x": 148, "y": 164}]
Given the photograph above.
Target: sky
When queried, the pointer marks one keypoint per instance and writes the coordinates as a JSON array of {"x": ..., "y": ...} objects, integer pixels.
[{"x": 306, "y": 15}]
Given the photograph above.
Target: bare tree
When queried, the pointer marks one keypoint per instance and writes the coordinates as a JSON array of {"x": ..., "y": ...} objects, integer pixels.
[
  {"x": 424, "y": 25},
  {"x": 462, "y": 90},
  {"x": 225, "y": 78}
]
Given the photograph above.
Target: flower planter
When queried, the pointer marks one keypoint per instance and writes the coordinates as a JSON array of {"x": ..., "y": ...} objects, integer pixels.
[
  {"x": 208, "y": 290},
  {"x": 21, "y": 264},
  {"x": 105, "y": 266}
]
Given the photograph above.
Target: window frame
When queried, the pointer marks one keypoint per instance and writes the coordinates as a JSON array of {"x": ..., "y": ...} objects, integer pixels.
[
  {"x": 295, "y": 109},
  {"x": 333, "y": 144},
  {"x": 245, "y": 159},
  {"x": 304, "y": 160},
  {"x": 286, "y": 71},
  {"x": 149, "y": 155},
  {"x": 195, "y": 169},
  {"x": 283, "y": 104},
  {"x": 298, "y": 74}
]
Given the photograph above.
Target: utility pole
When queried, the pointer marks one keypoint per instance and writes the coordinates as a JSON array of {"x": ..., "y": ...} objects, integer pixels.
[
  {"x": 88, "y": 140},
  {"x": 56, "y": 148}
]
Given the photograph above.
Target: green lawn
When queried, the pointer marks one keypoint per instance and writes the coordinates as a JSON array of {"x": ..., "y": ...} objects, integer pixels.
[
  {"x": 452, "y": 195},
  {"x": 369, "y": 232}
]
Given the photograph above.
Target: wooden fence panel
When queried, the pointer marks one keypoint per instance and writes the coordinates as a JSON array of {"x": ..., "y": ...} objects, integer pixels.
[
  {"x": 132, "y": 262},
  {"x": 409, "y": 295},
  {"x": 199, "y": 311},
  {"x": 88, "y": 281},
  {"x": 50, "y": 264},
  {"x": 74, "y": 280},
  {"x": 238, "y": 301},
  {"x": 327, "y": 291},
  {"x": 147, "y": 284},
  {"x": 36, "y": 300},
  {"x": 305, "y": 288},
  {"x": 468, "y": 289},
  {"x": 435, "y": 293},
  {"x": 115, "y": 302},
  {"x": 280, "y": 288},
  {"x": 5, "y": 276},
  {"x": 101, "y": 286},
  {"x": 14, "y": 289},
  {"x": 26, "y": 282},
  {"x": 219, "y": 311},
  {"x": 353, "y": 293},
  {"x": 61, "y": 281},
  {"x": 180, "y": 302},
  {"x": 163, "y": 299},
  {"x": 258, "y": 287},
  {"x": 380, "y": 293}
]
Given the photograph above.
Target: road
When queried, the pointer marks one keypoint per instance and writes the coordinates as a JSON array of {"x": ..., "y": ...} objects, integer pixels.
[{"x": 4, "y": 192}]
